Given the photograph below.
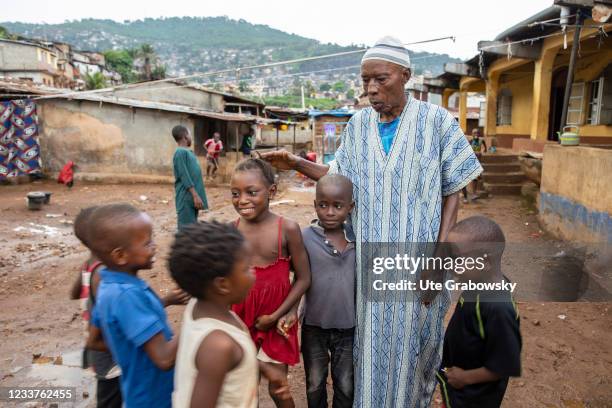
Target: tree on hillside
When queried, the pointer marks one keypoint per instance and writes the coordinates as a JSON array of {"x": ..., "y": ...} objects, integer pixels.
[
  {"x": 339, "y": 86},
  {"x": 324, "y": 87},
  {"x": 5, "y": 34},
  {"x": 147, "y": 53},
  {"x": 95, "y": 81},
  {"x": 350, "y": 94},
  {"x": 122, "y": 62},
  {"x": 296, "y": 87},
  {"x": 243, "y": 86},
  {"x": 159, "y": 72},
  {"x": 309, "y": 89}
]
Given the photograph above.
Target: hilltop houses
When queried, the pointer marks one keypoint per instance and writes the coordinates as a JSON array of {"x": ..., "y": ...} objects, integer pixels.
[{"x": 52, "y": 64}]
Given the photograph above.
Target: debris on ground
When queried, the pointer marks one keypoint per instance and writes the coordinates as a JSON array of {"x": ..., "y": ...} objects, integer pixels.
[{"x": 280, "y": 202}]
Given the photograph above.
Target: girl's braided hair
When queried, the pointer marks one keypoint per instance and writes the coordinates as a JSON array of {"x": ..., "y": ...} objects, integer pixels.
[
  {"x": 202, "y": 252},
  {"x": 257, "y": 164}
]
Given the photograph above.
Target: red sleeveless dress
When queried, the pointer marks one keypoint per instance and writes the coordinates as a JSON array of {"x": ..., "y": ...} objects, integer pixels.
[{"x": 271, "y": 288}]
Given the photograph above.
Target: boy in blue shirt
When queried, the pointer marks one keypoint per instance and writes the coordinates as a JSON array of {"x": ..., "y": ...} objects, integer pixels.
[{"x": 128, "y": 314}]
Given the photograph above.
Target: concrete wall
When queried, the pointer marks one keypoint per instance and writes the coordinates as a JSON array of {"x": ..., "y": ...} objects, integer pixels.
[
  {"x": 108, "y": 138},
  {"x": 172, "y": 93},
  {"x": 38, "y": 77},
  {"x": 17, "y": 56},
  {"x": 575, "y": 194}
]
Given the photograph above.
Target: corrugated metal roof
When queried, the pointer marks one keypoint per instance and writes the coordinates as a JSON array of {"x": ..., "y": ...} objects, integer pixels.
[
  {"x": 26, "y": 88},
  {"x": 135, "y": 103},
  {"x": 522, "y": 30},
  {"x": 195, "y": 85},
  {"x": 338, "y": 113}
]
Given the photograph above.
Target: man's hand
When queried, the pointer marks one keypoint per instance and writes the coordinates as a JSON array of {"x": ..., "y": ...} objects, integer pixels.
[
  {"x": 265, "y": 322},
  {"x": 197, "y": 202},
  {"x": 286, "y": 322},
  {"x": 281, "y": 159},
  {"x": 456, "y": 377},
  {"x": 176, "y": 297}
]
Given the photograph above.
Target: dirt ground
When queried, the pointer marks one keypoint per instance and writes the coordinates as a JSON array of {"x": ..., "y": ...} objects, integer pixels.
[{"x": 567, "y": 353}]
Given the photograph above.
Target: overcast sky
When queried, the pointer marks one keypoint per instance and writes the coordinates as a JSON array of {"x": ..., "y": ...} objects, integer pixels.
[{"x": 342, "y": 22}]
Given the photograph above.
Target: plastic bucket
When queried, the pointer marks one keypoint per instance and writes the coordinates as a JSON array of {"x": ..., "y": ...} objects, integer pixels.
[{"x": 35, "y": 200}]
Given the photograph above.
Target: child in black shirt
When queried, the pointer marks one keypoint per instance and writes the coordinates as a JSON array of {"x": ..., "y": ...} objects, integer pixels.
[{"x": 482, "y": 344}]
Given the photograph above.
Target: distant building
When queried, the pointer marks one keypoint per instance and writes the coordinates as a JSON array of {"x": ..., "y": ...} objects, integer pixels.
[
  {"x": 28, "y": 61},
  {"x": 53, "y": 64}
]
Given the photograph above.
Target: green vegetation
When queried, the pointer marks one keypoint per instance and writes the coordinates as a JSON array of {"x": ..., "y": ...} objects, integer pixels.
[
  {"x": 95, "y": 81},
  {"x": 196, "y": 44},
  {"x": 339, "y": 86},
  {"x": 294, "y": 101},
  {"x": 243, "y": 86},
  {"x": 122, "y": 62},
  {"x": 325, "y": 87}
]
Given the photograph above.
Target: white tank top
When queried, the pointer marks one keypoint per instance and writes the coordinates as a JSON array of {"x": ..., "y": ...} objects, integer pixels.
[{"x": 239, "y": 388}]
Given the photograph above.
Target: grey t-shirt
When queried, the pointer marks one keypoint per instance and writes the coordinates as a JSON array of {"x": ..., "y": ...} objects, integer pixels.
[{"x": 330, "y": 301}]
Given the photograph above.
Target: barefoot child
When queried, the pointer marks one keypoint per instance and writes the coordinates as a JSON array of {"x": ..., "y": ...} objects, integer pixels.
[
  {"x": 329, "y": 312},
  {"x": 216, "y": 364},
  {"x": 482, "y": 343},
  {"x": 128, "y": 313},
  {"x": 270, "y": 308}
]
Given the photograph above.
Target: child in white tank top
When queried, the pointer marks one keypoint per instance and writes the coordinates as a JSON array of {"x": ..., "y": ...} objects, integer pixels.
[{"x": 216, "y": 363}]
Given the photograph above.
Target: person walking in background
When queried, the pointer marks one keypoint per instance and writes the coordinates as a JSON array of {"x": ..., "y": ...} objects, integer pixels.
[
  {"x": 479, "y": 146},
  {"x": 247, "y": 143},
  {"x": 213, "y": 147},
  {"x": 189, "y": 193}
]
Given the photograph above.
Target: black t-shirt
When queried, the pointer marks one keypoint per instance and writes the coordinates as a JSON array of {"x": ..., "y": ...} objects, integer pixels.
[{"x": 483, "y": 332}]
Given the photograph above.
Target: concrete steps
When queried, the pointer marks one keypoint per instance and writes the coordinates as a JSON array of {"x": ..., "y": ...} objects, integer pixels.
[
  {"x": 503, "y": 189},
  {"x": 516, "y": 177},
  {"x": 502, "y": 174}
]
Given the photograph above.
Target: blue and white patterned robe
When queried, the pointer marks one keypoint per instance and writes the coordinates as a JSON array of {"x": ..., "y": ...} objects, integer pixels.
[{"x": 399, "y": 199}]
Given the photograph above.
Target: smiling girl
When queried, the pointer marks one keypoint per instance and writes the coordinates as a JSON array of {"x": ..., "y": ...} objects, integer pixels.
[{"x": 270, "y": 309}]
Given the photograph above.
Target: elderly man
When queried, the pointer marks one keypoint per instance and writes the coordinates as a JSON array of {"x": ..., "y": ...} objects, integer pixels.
[{"x": 408, "y": 160}]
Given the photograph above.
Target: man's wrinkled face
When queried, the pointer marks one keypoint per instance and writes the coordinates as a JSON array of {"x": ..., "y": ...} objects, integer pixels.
[{"x": 384, "y": 83}]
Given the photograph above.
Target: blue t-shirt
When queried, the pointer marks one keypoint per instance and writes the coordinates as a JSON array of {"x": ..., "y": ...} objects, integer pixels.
[
  {"x": 387, "y": 133},
  {"x": 129, "y": 314}
]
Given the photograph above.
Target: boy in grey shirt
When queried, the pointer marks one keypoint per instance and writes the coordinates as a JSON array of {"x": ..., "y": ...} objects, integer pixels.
[{"x": 329, "y": 316}]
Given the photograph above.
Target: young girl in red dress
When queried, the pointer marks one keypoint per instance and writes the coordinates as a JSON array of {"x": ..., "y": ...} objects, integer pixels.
[{"x": 270, "y": 309}]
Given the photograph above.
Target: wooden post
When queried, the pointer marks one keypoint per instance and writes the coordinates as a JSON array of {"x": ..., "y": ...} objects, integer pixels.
[
  {"x": 294, "y": 125},
  {"x": 570, "y": 71},
  {"x": 237, "y": 137}
]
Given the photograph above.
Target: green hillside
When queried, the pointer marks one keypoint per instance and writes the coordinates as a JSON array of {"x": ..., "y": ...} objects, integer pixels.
[{"x": 197, "y": 44}]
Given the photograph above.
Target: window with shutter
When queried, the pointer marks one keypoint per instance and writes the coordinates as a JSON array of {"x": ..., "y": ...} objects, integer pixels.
[
  {"x": 504, "y": 108},
  {"x": 605, "y": 110},
  {"x": 576, "y": 101},
  {"x": 595, "y": 102},
  {"x": 482, "y": 117}
]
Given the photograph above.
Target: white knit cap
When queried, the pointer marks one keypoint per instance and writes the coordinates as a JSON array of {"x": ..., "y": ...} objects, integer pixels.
[{"x": 388, "y": 49}]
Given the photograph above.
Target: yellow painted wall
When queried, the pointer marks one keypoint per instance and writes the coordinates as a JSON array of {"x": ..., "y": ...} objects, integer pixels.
[{"x": 520, "y": 82}]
